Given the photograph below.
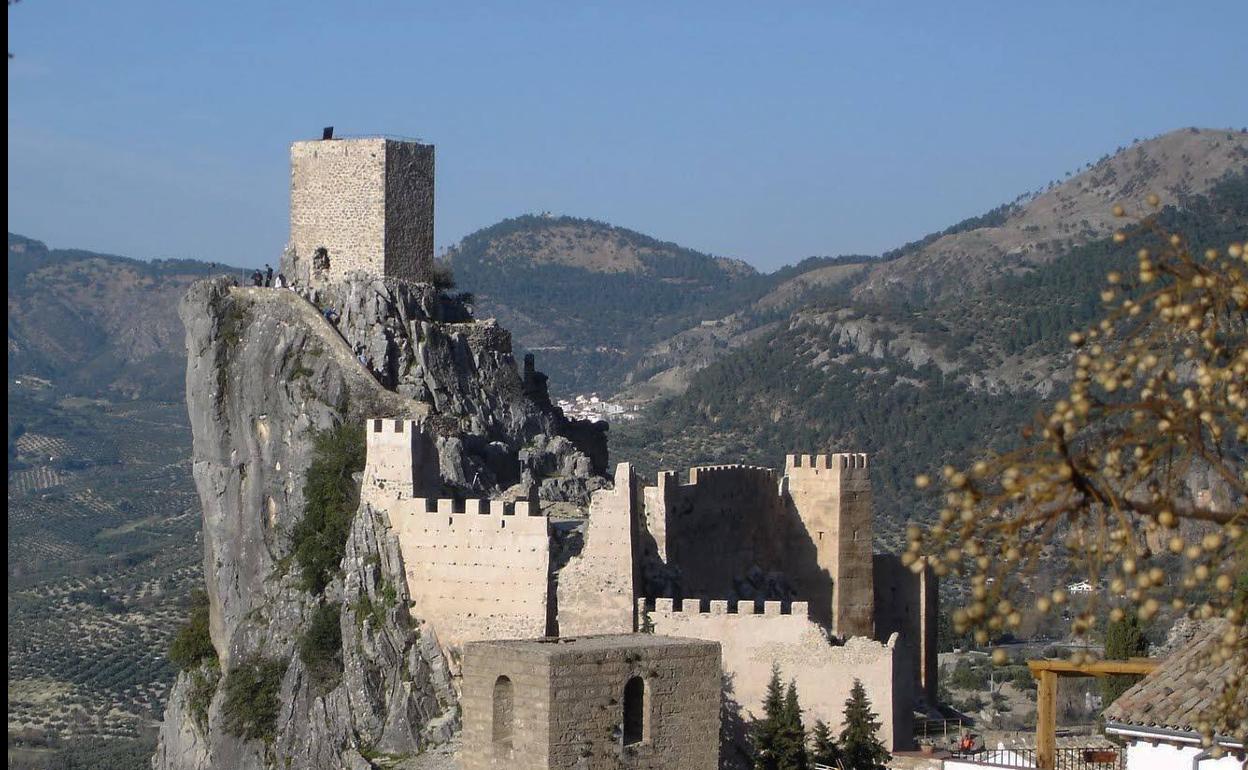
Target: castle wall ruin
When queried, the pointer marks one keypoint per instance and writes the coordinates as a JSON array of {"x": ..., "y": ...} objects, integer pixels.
[
  {"x": 367, "y": 202},
  {"x": 755, "y": 637},
  {"x": 596, "y": 589},
  {"x": 479, "y": 570},
  {"x": 905, "y": 604}
]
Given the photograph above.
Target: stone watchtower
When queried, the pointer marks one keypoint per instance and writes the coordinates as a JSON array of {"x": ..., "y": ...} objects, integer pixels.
[
  {"x": 360, "y": 204},
  {"x": 832, "y": 496}
]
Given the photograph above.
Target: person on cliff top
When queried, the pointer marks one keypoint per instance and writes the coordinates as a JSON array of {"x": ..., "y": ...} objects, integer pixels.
[
  {"x": 257, "y": 278},
  {"x": 268, "y": 275}
]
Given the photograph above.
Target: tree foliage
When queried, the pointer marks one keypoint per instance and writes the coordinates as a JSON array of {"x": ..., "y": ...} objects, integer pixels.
[
  {"x": 860, "y": 748},
  {"x": 779, "y": 738},
  {"x": 1123, "y": 639},
  {"x": 320, "y": 648},
  {"x": 251, "y": 703},
  {"x": 330, "y": 498},
  {"x": 193, "y": 645},
  {"x": 1137, "y": 472},
  {"x": 824, "y": 749}
]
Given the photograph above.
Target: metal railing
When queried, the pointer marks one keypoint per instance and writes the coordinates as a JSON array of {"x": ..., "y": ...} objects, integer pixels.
[
  {"x": 1066, "y": 758},
  {"x": 945, "y": 728}
]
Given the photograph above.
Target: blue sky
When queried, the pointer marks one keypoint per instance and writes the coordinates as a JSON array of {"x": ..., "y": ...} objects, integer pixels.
[{"x": 765, "y": 131}]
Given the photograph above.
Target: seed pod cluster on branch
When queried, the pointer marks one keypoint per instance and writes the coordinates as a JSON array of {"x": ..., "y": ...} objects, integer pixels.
[{"x": 1104, "y": 483}]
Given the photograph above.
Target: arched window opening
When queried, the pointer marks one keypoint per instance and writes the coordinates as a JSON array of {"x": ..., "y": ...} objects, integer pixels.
[
  {"x": 636, "y": 715},
  {"x": 504, "y": 713}
]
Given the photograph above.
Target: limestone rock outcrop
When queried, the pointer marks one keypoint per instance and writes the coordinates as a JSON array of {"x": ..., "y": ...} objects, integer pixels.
[{"x": 266, "y": 370}]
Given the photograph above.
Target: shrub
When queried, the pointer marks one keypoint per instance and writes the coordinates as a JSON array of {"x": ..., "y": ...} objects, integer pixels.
[
  {"x": 330, "y": 499},
  {"x": 442, "y": 276},
  {"x": 193, "y": 644},
  {"x": 251, "y": 704},
  {"x": 203, "y": 686},
  {"x": 967, "y": 677},
  {"x": 320, "y": 649}
]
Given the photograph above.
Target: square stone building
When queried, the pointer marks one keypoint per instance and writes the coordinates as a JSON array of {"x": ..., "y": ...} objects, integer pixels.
[
  {"x": 590, "y": 702},
  {"x": 360, "y": 204}
]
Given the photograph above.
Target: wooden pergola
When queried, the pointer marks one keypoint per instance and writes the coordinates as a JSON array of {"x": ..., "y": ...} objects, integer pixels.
[{"x": 1047, "y": 673}]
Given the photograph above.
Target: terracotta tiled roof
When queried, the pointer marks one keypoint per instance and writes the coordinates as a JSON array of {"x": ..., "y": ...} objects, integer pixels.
[{"x": 1178, "y": 691}]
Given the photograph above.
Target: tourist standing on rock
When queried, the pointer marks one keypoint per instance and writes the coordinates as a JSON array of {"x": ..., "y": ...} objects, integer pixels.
[
  {"x": 268, "y": 275},
  {"x": 257, "y": 278},
  {"x": 280, "y": 281}
]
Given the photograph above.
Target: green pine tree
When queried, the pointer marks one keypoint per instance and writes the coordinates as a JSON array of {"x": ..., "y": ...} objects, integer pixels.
[
  {"x": 860, "y": 748},
  {"x": 824, "y": 750},
  {"x": 1123, "y": 639},
  {"x": 766, "y": 731},
  {"x": 791, "y": 749}
]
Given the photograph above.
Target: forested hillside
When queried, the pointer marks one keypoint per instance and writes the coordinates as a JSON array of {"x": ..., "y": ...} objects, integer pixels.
[
  {"x": 97, "y": 324},
  {"x": 915, "y": 386},
  {"x": 589, "y": 297}
]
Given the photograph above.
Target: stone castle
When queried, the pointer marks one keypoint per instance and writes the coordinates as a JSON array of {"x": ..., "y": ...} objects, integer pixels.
[{"x": 776, "y": 567}]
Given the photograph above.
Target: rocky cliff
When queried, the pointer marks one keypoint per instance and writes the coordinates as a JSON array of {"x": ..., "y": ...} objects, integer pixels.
[{"x": 266, "y": 371}]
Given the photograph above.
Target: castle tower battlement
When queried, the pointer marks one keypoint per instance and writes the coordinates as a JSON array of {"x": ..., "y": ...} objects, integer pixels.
[
  {"x": 360, "y": 204},
  {"x": 393, "y": 456},
  {"x": 803, "y": 465},
  {"x": 445, "y": 514},
  {"x": 721, "y": 607},
  {"x": 831, "y": 494}
]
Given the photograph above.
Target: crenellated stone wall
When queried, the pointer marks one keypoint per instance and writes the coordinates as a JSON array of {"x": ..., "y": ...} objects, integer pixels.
[
  {"x": 726, "y": 520},
  {"x": 479, "y": 571},
  {"x": 754, "y": 637},
  {"x": 476, "y": 569}
]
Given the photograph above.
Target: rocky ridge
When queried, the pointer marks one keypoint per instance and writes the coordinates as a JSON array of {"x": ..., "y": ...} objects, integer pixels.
[{"x": 265, "y": 372}]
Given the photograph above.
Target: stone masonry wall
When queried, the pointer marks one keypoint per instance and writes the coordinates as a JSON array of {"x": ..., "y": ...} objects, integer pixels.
[
  {"x": 571, "y": 693},
  {"x": 529, "y": 675},
  {"x": 907, "y": 603},
  {"x": 724, "y": 521},
  {"x": 824, "y": 673},
  {"x": 409, "y": 210},
  {"x": 479, "y": 571},
  {"x": 368, "y": 202},
  {"x": 596, "y": 590},
  {"x": 402, "y": 462},
  {"x": 832, "y": 494}
]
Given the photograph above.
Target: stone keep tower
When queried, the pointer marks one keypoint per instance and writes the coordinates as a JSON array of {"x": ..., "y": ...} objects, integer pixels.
[
  {"x": 832, "y": 496},
  {"x": 360, "y": 204}
]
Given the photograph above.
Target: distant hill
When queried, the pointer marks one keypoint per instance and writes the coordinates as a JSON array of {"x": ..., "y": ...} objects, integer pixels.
[
  {"x": 1013, "y": 241},
  {"x": 944, "y": 348},
  {"x": 98, "y": 324},
  {"x": 589, "y": 297},
  {"x": 1017, "y": 238}
]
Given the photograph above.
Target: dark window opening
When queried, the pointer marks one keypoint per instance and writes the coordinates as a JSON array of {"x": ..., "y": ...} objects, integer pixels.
[
  {"x": 636, "y": 723},
  {"x": 504, "y": 710}
]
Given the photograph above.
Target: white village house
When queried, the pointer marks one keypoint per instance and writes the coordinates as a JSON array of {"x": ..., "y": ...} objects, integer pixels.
[{"x": 1157, "y": 717}]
